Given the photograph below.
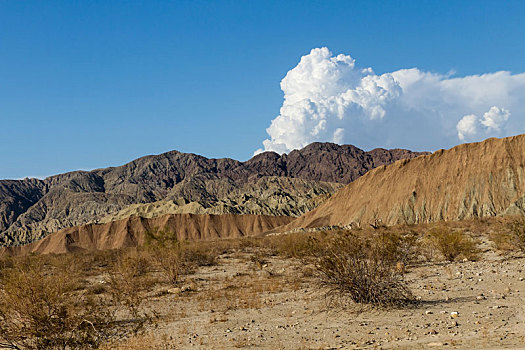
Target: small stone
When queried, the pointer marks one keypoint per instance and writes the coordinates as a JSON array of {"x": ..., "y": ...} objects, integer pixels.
[
  {"x": 454, "y": 314},
  {"x": 186, "y": 288}
]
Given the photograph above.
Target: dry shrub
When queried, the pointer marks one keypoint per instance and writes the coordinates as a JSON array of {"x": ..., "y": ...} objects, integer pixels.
[
  {"x": 197, "y": 254},
  {"x": 43, "y": 309},
  {"x": 508, "y": 233},
  {"x": 242, "y": 291},
  {"x": 128, "y": 280},
  {"x": 399, "y": 244},
  {"x": 502, "y": 240},
  {"x": 517, "y": 232},
  {"x": 174, "y": 258},
  {"x": 165, "y": 251},
  {"x": 453, "y": 244},
  {"x": 361, "y": 267}
]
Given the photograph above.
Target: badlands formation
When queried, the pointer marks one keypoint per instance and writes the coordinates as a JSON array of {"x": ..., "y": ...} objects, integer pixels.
[
  {"x": 475, "y": 180},
  {"x": 269, "y": 184}
]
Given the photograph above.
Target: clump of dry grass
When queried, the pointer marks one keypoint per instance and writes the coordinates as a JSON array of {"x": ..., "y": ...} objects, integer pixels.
[
  {"x": 361, "y": 267},
  {"x": 508, "y": 233},
  {"x": 243, "y": 291},
  {"x": 292, "y": 245},
  {"x": 453, "y": 244}
]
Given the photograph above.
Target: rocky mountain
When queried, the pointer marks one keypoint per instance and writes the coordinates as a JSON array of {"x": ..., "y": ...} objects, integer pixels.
[
  {"x": 187, "y": 183},
  {"x": 470, "y": 180}
]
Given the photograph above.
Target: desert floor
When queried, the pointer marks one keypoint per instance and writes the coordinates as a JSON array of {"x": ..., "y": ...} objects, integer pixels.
[{"x": 276, "y": 303}]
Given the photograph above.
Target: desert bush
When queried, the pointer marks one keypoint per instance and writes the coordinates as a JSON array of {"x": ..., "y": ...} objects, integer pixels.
[
  {"x": 503, "y": 240},
  {"x": 128, "y": 280},
  {"x": 517, "y": 232},
  {"x": 399, "y": 245},
  {"x": 453, "y": 244},
  {"x": 361, "y": 268},
  {"x": 174, "y": 258},
  {"x": 6, "y": 262},
  {"x": 41, "y": 309},
  {"x": 166, "y": 253}
]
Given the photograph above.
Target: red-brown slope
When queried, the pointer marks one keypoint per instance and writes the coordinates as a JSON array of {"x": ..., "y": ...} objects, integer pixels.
[
  {"x": 470, "y": 180},
  {"x": 130, "y": 232}
]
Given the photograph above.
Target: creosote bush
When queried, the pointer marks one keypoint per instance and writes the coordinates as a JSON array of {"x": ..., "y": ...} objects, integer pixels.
[
  {"x": 453, "y": 244},
  {"x": 361, "y": 267}
]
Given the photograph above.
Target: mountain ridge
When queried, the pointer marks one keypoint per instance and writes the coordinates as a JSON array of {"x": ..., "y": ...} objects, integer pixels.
[{"x": 31, "y": 208}]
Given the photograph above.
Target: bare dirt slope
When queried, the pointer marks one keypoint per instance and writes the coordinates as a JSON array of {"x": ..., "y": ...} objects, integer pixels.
[
  {"x": 131, "y": 232},
  {"x": 471, "y": 180}
]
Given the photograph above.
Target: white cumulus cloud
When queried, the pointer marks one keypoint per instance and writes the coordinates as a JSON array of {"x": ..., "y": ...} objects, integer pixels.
[
  {"x": 470, "y": 126},
  {"x": 329, "y": 98},
  {"x": 494, "y": 119},
  {"x": 467, "y": 126}
]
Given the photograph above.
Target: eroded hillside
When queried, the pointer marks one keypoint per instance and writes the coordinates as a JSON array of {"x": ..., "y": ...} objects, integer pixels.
[
  {"x": 177, "y": 182},
  {"x": 470, "y": 180}
]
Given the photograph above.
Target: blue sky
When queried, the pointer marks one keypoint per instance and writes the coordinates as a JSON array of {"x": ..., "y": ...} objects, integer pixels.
[{"x": 88, "y": 84}]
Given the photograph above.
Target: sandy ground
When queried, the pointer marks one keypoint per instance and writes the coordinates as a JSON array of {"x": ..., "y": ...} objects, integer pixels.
[{"x": 278, "y": 305}]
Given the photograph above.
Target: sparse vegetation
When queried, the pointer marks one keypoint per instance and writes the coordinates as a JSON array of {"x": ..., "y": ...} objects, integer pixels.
[
  {"x": 44, "y": 309},
  {"x": 112, "y": 299},
  {"x": 174, "y": 258},
  {"x": 453, "y": 244},
  {"x": 292, "y": 245}
]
